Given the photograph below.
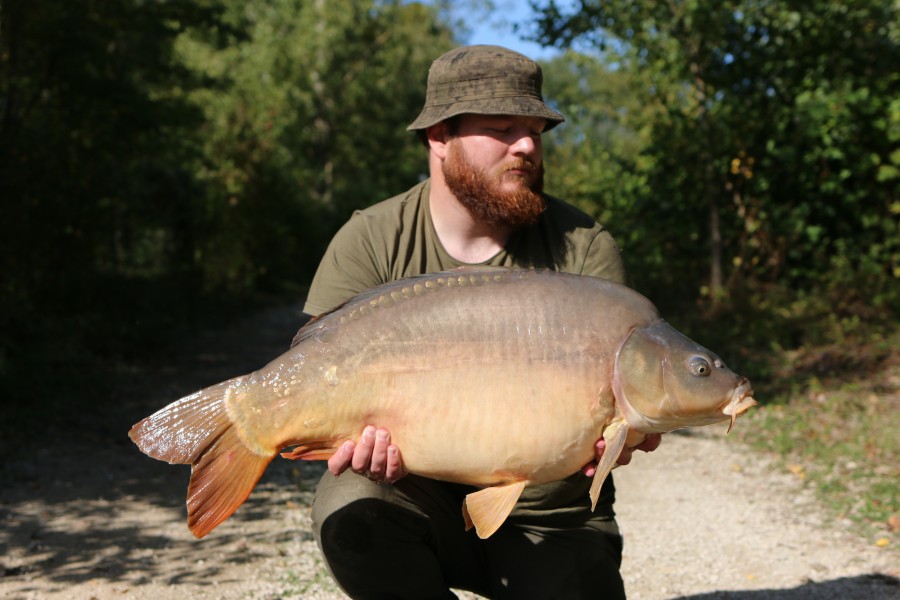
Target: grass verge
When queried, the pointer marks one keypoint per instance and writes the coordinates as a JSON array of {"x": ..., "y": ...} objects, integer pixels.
[{"x": 837, "y": 430}]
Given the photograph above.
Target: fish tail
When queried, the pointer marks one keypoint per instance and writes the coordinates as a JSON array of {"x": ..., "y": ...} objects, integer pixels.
[{"x": 197, "y": 430}]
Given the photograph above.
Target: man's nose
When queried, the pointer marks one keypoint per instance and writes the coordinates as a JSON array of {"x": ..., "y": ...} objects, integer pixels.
[{"x": 525, "y": 142}]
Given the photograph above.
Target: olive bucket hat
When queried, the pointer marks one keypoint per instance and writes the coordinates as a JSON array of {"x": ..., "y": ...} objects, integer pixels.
[{"x": 484, "y": 80}]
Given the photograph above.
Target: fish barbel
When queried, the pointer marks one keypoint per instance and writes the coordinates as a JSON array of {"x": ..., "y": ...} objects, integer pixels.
[{"x": 529, "y": 368}]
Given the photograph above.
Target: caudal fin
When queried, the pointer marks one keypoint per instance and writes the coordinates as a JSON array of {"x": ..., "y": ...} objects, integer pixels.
[{"x": 196, "y": 430}]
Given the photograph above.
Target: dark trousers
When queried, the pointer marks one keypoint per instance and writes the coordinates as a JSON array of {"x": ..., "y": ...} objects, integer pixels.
[{"x": 408, "y": 540}]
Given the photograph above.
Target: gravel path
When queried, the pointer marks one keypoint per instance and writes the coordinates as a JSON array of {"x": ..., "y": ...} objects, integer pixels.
[
  {"x": 704, "y": 519},
  {"x": 87, "y": 516}
]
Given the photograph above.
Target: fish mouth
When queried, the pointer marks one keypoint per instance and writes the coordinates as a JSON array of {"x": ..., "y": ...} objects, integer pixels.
[{"x": 741, "y": 400}]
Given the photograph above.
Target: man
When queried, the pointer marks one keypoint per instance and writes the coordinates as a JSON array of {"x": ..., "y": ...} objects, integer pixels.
[{"x": 482, "y": 205}]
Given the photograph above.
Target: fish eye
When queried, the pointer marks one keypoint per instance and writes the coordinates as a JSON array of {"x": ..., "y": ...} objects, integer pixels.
[{"x": 700, "y": 366}]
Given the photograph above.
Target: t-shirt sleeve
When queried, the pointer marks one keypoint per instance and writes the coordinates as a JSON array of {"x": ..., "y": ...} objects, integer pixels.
[
  {"x": 604, "y": 259},
  {"x": 348, "y": 267}
]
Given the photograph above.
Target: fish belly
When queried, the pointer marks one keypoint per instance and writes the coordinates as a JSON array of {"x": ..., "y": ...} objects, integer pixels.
[{"x": 501, "y": 423}]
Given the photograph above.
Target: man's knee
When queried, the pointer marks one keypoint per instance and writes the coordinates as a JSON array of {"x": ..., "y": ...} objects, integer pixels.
[
  {"x": 368, "y": 534},
  {"x": 347, "y": 511}
]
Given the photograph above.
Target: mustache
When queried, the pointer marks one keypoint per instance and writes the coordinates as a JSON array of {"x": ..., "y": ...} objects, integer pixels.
[{"x": 522, "y": 165}]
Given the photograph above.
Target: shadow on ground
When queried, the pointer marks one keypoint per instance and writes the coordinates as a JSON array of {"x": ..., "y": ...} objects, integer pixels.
[
  {"x": 85, "y": 504},
  {"x": 863, "y": 587}
]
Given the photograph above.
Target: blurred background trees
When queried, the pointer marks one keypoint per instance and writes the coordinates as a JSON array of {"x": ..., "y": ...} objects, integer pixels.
[
  {"x": 751, "y": 150},
  {"x": 164, "y": 161}
]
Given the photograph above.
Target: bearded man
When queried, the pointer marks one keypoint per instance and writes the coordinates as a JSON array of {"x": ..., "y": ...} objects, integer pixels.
[{"x": 386, "y": 534}]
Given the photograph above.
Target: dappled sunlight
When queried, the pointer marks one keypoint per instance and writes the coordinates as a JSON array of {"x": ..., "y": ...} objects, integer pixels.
[{"x": 90, "y": 511}]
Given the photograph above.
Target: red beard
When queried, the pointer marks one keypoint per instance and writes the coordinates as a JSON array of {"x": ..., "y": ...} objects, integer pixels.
[{"x": 483, "y": 197}]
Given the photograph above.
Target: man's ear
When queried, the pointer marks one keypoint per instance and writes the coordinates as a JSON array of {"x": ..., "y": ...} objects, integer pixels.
[{"x": 438, "y": 138}]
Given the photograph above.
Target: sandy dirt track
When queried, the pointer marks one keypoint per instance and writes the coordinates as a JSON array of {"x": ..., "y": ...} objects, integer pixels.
[{"x": 85, "y": 515}]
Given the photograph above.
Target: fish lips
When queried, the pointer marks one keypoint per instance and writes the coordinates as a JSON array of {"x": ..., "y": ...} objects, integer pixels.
[{"x": 741, "y": 400}]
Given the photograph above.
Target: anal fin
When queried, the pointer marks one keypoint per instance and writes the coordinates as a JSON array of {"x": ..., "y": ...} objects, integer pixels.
[
  {"x": 615, "y": 435},
  {"x": 487, "y": 509}
]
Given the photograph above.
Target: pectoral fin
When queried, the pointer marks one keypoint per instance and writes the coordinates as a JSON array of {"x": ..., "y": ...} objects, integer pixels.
[
  {"x": 317, "y": 451},
  {"x": 487, "y": 509},
  {"x": 614, "y": 434}
]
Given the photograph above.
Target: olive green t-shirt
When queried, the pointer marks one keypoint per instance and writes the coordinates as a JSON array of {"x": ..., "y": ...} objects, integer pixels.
[{"x": 396, "y": 239}]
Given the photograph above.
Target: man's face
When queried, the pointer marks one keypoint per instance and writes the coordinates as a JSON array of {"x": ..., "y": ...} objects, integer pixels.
[{"x": 494, "y": 168}]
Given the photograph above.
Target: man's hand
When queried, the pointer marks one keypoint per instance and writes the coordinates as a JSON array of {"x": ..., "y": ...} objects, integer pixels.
[
  {"x": 373, "y": 456},
  {"x": 650, "y": 443}
]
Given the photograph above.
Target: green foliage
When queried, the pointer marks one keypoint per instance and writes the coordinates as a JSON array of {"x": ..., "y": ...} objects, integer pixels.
[
  {"x": 312, "y": 127},
  {"x": 160, "y": 161},
  {"x": 757, "y": 158},
  {"x": 594, "y": 159},
  {"x": 91, "y": 164}
]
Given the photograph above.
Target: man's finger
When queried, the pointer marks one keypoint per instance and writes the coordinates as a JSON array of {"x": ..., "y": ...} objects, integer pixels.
[
  {"x": 362, "y": 455},
  {"x": 650, "y": 443},
  {"x": 599, "y": 448},
  {"x": 395, "y": 469},
  {"x": 377, "y": 466},
  {"x": 340, "y": 460}
]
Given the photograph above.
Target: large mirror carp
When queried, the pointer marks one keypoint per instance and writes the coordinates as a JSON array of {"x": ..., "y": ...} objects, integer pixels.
[{"x": 529, "y": 368}]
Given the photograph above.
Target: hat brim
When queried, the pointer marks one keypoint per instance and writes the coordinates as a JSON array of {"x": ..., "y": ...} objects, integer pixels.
[{"x": 520, "y": 107}]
